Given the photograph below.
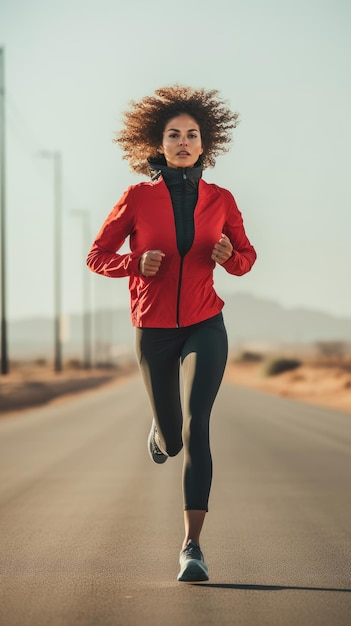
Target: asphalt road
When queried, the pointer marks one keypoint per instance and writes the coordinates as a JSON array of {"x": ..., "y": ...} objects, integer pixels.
[{"x": 90, "y": 528}]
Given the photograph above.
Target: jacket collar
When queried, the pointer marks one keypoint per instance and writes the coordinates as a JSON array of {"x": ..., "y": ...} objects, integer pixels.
[{"x": 175, "y": 175}]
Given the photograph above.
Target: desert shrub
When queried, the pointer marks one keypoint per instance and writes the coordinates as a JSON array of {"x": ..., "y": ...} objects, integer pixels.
[
  {"x": 278, "y": 365},
  {"x": 247, "y": 356},
  {"x": 41, "y": 362},
  {"x": 333, "y": 354},
  {"x": 106, "y": 365},
  {"x": 74, "y": 364},
  {"x": 336, "y": 349}
]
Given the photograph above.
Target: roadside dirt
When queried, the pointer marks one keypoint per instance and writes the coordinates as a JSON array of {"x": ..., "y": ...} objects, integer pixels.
[
  {"x": 27, "y": 386},
  {"x": 317, "y": 384}
]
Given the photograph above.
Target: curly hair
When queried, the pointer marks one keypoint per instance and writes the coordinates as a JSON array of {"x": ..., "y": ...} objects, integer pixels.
[{"x": 145, "y": 121}]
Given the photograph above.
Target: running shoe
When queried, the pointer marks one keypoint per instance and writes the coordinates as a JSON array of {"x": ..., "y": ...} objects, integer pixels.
[
  {"x": 192, "y": 565},
  {"x": 155, "y": 452}
]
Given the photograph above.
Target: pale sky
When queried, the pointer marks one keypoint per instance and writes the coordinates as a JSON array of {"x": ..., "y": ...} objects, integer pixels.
[{"x": 71, "y": 69}]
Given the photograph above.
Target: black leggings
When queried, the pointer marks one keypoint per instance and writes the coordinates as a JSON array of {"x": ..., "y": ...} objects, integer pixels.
[{"x": 202, "y": 351}]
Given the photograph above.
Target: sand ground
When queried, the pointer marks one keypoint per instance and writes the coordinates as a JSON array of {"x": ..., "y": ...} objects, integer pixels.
[
  {"x": 31, "y": 385},
  {"x": 324, "y": 385}
]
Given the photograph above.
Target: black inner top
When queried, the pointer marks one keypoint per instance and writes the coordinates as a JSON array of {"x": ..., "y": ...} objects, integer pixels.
[{"x": 182, "y": 184}]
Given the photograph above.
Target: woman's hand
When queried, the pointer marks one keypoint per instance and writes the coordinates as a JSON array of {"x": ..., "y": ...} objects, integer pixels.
[
  {"x": 150, "y": 262},
  {"x": 222, "y": 250}
]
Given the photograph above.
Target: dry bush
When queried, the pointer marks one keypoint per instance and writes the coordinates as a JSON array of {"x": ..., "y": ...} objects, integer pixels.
[
  {"x": 333, "y": 354},
  {"x": 334, "y": 349},
  {"x": 74, "y": 364},
  {"x": 247, "y": 356},
  {"x": 278, "y": 365},
  {"x": 40, "y": 362}
]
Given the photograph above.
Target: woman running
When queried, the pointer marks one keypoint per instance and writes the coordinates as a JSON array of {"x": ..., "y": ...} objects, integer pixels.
[{"x": 179, "y": 228}]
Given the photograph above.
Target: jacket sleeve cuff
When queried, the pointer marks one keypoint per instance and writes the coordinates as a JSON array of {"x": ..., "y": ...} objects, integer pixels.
[{"x": 239, "y": 264}]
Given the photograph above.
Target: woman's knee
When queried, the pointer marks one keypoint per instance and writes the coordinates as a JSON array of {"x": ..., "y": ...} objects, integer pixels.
[{"x": 173, "y": 448}]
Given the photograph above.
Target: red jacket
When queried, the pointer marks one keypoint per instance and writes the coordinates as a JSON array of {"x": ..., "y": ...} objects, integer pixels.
[{"x": 182, "y": 292}]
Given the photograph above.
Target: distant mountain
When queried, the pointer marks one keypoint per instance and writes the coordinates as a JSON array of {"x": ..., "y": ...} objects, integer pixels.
[
  {"x": 33, "y": 338},
  {"x": 248, "y": 319}
]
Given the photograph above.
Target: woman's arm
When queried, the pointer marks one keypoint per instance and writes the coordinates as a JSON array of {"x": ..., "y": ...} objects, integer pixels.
[
  {"x": 103, "y": 258},
  {"x": 243, "y": 255}
]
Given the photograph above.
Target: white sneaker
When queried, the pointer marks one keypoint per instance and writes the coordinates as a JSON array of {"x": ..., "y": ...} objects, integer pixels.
[{"x": 192, "y": 565}]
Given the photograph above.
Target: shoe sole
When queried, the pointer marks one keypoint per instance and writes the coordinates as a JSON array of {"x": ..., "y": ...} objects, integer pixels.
[
  {"x": 194, "y": 571},
  {"x": 157, "y": 458}
]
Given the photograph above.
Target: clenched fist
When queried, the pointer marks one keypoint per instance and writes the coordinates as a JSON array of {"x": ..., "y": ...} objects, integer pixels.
[
  {"x": 222, "y": 250},
  {"x": 150, "y": 262}
]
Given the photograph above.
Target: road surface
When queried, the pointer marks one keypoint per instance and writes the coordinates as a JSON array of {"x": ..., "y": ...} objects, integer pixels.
[{"x": 90, "y": 528}]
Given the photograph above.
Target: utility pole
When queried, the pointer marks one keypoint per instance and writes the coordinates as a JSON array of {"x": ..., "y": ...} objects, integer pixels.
[
  {"x": 57, "y": 238},
  {"x": 86, "y": 283},
  {"x": 3, "y": 322}
]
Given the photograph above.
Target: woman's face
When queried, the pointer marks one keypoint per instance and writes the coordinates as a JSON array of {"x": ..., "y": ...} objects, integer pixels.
[{"x": 181, "y": 145}]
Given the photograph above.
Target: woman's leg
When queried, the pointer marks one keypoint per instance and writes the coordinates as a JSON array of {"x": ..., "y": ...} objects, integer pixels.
[
  {"x": 204, "y": 358},
  {"x": 193, "y": 522},
  {"x": 158, "y": 353}
]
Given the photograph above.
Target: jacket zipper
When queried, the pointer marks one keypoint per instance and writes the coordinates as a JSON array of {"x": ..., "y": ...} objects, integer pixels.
[
  {"x": 179, "y": 288},
  {"x": 182, "y": 257}
]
